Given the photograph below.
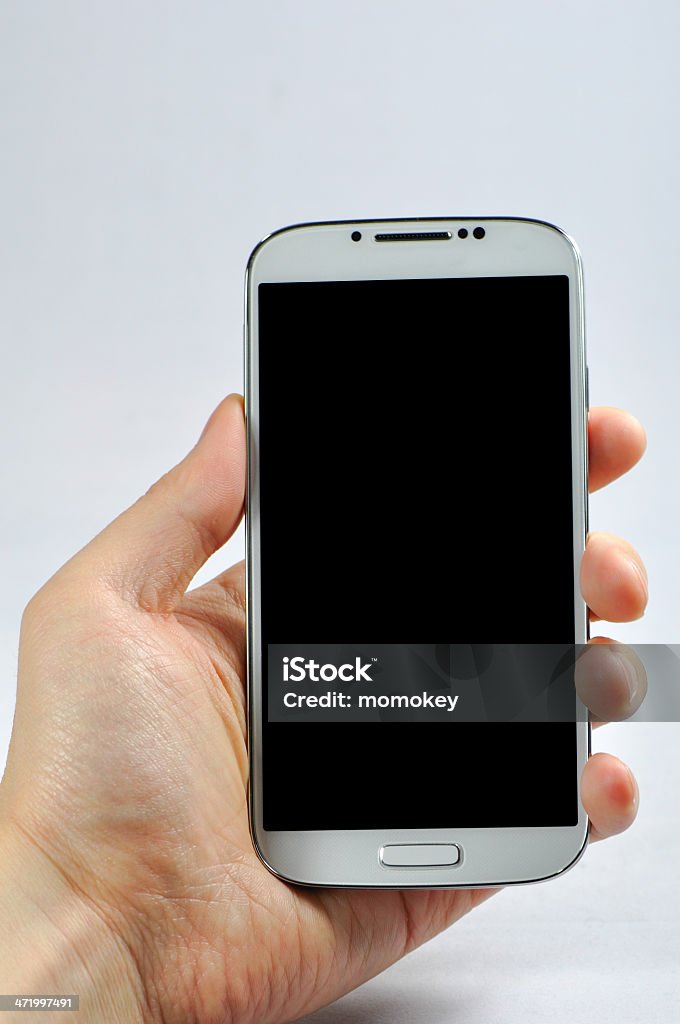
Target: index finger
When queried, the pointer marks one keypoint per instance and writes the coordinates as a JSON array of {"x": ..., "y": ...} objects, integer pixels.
[{"x": 616, "y": 441}]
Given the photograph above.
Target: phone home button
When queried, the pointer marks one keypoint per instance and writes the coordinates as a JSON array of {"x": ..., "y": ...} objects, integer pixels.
[{"x": 421, "y": 855}]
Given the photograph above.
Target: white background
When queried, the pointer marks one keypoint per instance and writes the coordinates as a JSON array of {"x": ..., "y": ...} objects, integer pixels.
[{"x": 146, "y": 147}]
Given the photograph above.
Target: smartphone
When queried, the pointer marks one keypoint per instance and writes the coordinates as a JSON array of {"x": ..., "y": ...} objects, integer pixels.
[{"x": 417, "y": 462}]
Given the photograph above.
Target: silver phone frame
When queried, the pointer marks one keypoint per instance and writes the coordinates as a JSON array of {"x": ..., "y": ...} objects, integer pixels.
[{"x": 351, "y": 859}]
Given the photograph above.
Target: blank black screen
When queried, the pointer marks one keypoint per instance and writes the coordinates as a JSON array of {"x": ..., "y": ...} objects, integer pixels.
[{"x": 415, "y": 474}]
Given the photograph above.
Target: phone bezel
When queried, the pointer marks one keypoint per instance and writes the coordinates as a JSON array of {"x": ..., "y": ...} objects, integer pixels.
[{"x": 324, "y": 251}]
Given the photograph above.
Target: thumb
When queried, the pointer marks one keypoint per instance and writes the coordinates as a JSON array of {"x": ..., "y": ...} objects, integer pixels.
[{"x": 152, "y": 551}]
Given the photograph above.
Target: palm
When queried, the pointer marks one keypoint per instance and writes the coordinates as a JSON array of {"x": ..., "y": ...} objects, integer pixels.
[{"x": 205, "y": 868}]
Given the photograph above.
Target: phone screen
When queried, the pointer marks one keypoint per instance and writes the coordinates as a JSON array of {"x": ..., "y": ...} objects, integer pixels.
[{"x": 415, "y": 476}]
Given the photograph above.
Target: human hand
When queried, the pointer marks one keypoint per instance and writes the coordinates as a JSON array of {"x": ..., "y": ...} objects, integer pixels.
[{"x": 125, "y": 852}]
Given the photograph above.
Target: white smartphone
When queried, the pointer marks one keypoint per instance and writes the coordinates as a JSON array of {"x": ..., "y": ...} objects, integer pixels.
[{"x": 417, "y": 462}]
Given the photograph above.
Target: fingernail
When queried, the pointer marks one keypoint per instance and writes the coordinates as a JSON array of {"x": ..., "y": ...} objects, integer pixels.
[
  {"x": 629, "y": 675},
  {"x": 641, "y": 574},
  {"x": 635, "y": 803},
  {"x": 207, "y": 426},
  {"x": 213, "y": 414}
]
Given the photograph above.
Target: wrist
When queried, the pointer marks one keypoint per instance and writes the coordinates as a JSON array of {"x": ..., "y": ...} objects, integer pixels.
[{"x": 56, "y": 942}]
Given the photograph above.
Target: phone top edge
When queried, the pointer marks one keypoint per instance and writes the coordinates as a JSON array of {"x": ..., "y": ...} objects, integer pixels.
[{"x": 412, "y": 220}]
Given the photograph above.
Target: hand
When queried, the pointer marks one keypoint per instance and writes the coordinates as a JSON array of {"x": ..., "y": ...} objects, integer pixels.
[{"x": 125, "y": 843}]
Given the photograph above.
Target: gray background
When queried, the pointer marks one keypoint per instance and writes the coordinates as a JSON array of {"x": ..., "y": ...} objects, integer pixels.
[{"x": 146, "y": 147}]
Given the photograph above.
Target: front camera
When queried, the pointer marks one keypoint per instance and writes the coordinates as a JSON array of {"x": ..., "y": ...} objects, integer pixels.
[
  {"x": 479, "y": 232},
  {"x": 356, "y": 236}
]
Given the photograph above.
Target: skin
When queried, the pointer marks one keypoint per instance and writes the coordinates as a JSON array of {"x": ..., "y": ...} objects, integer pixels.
[{"x": 126, "y": 868}]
